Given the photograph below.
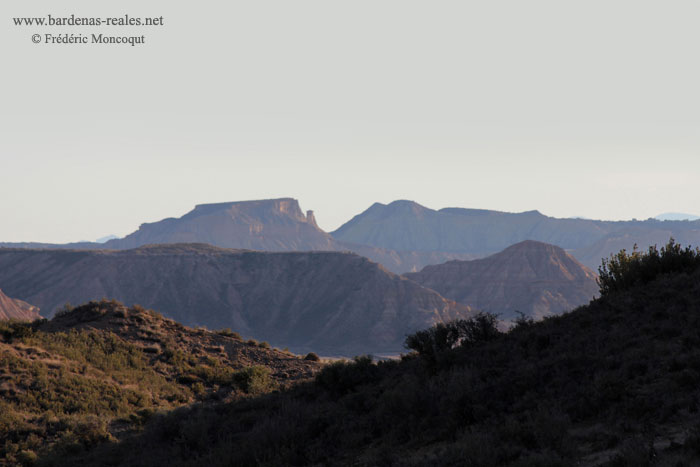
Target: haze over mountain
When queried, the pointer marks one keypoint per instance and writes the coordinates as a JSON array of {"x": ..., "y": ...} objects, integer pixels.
[
  {"x": 403, "y": 236},
  {"x": 406, "y": 225},
  {"x": 336, "y": 303},
  {"x": 106, "y": 238},
  {"x": 676, "y": 216},
  {"x": 532, "y": 277},
  {"x": 17, "y": 309}
]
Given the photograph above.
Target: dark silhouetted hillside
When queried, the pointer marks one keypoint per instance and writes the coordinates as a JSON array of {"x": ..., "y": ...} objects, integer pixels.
[{"x": 613, "y": 383}]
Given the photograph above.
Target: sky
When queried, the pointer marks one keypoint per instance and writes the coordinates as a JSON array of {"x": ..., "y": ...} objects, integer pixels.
[{"x": 578, "y": 108}]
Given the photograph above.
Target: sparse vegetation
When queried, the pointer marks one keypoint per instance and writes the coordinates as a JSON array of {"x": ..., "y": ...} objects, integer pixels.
[{"x": 70, "y": 389}]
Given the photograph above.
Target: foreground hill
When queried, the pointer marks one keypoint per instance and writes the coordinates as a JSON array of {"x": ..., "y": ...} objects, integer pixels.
[
  {"x": 613, "y": 383},
  {"x": 99, "y": 371},
  {"x": 406, "y": 225},
  {"x": 337, "y": 303},
  {"x": 534, "y": 278},
  {"x": 264, "y": 225},
  {"x": 17, "y": 309}
]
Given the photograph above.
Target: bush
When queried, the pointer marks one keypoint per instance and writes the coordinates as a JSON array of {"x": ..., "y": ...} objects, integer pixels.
[
  {"x": 624, "y": 270},
  {"x": 228, "y": 333},
  {"x": 254, "y": 380},
  {"x": 312, "y": 357},
  {"x": 342, "y": 377},
  {"x": 27, "y": 457},
  {"x": 67, "y": 308},
  {"x": 443, "y": 337}
]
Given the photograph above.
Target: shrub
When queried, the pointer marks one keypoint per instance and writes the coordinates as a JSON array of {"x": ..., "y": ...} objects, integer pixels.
[
  {"x": 312, "y": 357},
  {"x": 481, "y": 328},
  {"x": 254, "y": 380},
  {"x": 443, "y": 337},
  {"x": 228, "y": 333},
  {"x": 67, "y": 308},
  {"x": 522, "y": 321},
  {"x": 27, "y": 457},
  {"x": 624, "y": 270},
  {"x": 433, "y": 341},
  {"x": 11, "y": 330},
  {"x": 342, "y": 377},
  {"x": 264, "y": 345}
]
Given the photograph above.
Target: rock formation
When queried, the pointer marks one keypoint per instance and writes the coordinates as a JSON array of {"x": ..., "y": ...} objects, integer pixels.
[
  {"x": 534, "y": 278},
  {"x": 17, "y": 309}
]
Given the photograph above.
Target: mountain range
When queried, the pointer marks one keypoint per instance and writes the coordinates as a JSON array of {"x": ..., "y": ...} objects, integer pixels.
[
  {"x": 264, "y": 225},
  {"x": 408, "y": 226},
  {"x": 333, "y": 302},
  {"x": 403, "y": 236}
]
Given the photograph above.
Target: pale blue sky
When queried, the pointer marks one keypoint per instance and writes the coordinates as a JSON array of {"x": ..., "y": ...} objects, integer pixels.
[{"x": 581, "y": 108}]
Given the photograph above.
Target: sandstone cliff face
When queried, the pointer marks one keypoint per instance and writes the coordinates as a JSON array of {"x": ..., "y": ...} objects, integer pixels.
[
  {"x": 335, "y": 303},
  {"x": 532, "y": 277},
  {"x": 268, "y": 225},
  {"x": 17, "y": 309}
]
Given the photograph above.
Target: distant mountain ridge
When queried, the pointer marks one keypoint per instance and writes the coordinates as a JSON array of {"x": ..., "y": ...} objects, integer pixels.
[
  {"x": 406, "y": 225},
  {"x": 403, "y": 236},
  {"x": 337, "y": 303},
  {"x": 676, "y": 216},
  {"x": 263, "y": 225},
  {"x": 532, "y": 277},
  {"x": 266, "y": 225}
]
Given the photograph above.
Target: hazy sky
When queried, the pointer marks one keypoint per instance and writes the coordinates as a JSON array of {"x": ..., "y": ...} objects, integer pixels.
[{"x": 575, "y": 108}]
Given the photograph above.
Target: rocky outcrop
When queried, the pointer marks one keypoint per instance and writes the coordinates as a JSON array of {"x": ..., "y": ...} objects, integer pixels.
[
  {"x": 330, "y": 302},
  {"x": 534, "y": 278},
  {"x": 17, "y": 309},
  {"x": 268, "y": 225}
]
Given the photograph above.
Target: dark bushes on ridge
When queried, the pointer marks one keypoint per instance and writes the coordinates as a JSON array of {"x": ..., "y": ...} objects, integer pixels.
[
  {"x": 442, "y": 337},
  {"x": 624, "y": 270},
  {"x": 312, "y": 356}
]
